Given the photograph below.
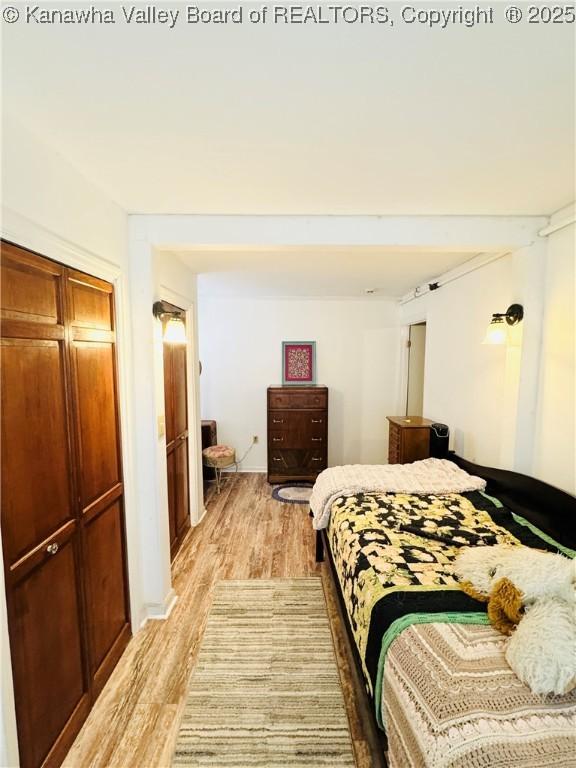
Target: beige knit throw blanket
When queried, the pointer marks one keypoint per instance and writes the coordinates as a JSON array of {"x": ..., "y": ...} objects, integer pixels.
[{"x": 428, "y": 476}]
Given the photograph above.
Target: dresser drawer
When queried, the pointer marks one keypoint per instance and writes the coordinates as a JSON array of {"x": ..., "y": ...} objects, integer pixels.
[
  {"x": 279, "y": 439},
  {"x": 291, "y": 440},
  {"x": 298, "y": 461},
  {"x": 316, "y": 460},
  {"x": 297, "y": 429},
  {"x": 296, "y": 399},
  {"x": 279, "y": 419}
]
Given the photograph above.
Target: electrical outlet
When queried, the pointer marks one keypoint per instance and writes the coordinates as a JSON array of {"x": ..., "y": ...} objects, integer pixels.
[{"x": 254, "y": 439}]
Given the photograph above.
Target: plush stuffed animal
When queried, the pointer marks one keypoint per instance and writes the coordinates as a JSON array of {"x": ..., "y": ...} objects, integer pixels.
[{"x": 531, "y": 596}]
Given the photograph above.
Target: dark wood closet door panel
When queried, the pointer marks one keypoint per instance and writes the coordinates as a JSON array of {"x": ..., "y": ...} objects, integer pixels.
[
  {"x": 62, "y": 505},
  {"x": 180, "y": 391},
  {"x": 171, "y": 468},
  {"x": 95, "y": 401},
  {"x": 176, "y": 410},
  {"x": 47, "y": 654},
  {"x": 181, "y": 486},
  {"x": 91, "y": 310},
  {"x": 90, "y": 301},
  {"x": 169, "y": 394},
  {"x": 31, "y": 287},
  {"x": 36, "y": 488},
  {"x": 106, "y": 604}
]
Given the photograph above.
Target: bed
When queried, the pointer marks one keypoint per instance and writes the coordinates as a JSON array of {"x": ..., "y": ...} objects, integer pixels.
[{"x": 438, "y": 685}]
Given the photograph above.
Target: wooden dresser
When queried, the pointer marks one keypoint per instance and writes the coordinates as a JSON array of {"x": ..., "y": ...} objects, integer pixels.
[
  {"x": 408, "y": 439},
  {"x": 297, "y": 433}
]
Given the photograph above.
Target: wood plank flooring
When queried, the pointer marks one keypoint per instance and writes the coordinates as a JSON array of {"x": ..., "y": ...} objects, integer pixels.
[{"x": 246, "y": 534}]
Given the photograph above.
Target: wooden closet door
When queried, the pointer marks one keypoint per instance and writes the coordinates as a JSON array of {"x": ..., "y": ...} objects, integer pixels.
[
  {"x": 100, "y": 487},
  {"x": 40, "y": 530},
  {"x": 170, "y": 443},
  {"x": 176, "y": 413},
  {"x": 182, "y": 511}
]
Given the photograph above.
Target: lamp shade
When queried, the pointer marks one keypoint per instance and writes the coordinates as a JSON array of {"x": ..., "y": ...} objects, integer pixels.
[
  {"x": 496, "y": 332},
  {"x": 175, "y": 332}
]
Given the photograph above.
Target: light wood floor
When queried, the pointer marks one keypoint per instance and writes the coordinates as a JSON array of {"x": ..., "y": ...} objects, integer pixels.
[{"x": 245, "y": 534}]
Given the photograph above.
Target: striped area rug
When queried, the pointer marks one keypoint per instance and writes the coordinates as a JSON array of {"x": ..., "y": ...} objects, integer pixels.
[{"x": 265, "y": 690}]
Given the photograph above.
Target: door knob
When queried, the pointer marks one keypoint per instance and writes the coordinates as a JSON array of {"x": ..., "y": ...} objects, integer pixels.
[{"x": 52, "y": 548}]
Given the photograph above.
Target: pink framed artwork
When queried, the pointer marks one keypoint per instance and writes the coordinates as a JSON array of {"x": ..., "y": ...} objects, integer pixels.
[{"x": 298, "y": 363}]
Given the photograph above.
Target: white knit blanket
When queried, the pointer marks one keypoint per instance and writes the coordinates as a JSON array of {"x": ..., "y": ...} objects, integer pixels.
[{"x": 426, "y": 476}]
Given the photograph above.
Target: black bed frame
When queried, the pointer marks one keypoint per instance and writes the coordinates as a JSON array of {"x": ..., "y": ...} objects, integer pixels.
[{"x": 548, "y": 508}]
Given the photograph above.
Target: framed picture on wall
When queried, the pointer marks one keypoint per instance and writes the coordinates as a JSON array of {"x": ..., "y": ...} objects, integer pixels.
[{"x": 298, "y": 363}]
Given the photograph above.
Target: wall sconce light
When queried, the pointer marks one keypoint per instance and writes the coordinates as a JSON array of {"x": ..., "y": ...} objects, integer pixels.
[
  {"x": 173, "y": 322},
  {"x": 497, "y": 332}
]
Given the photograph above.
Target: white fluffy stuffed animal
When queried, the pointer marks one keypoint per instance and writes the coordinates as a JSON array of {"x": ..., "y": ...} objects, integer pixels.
[{"x": 531, "y": 596}]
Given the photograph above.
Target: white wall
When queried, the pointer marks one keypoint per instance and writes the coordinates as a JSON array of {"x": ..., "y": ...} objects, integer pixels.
[
  {"x": 171, "y": 281},
  {"x": 356, "y": 350},
  {"x": 508, "y": 406},
  {"x": 464, "y": 380},
  {"x": 43, "y": 188},
  {"x": 554, "y": 457}
]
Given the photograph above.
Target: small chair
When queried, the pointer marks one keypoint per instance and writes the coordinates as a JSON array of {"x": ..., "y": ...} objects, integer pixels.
[{"x": 218, "y": 457}]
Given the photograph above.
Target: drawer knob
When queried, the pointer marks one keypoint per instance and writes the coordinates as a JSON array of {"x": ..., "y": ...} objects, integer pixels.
[
  {"x": 277, "y": 421},
  {"x": 52, "y": 548},
  {"x": 316, "y": 459},
  {"x": 316, "y": 439},
  {"x": 316, "y": 421},
  {"x": 276, "y": 459},
  {"x": 277, "y": 439}
]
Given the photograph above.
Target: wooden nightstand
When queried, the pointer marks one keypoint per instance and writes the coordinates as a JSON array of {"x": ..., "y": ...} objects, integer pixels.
[{"x": 409, "y": 439}]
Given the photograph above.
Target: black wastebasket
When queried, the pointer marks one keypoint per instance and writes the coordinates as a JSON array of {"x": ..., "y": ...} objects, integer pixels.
[{"x": 439, "y": 438}]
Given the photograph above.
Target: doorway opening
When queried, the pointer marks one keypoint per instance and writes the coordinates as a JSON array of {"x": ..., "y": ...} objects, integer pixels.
[{"x": 416, "y": 363}]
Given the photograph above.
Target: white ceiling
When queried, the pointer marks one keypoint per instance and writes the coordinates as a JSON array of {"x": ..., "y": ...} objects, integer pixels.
[
  {"x": 304, "y": 119},
  {"x": 316, "y": 272}
]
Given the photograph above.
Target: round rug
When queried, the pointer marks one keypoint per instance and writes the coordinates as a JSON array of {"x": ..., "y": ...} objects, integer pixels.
[{"x": 294, "y": 493}]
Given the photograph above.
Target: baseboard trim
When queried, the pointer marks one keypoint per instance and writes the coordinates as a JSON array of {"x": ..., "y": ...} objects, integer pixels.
[
  {"x": 202, "y": 516},
  {"x": 160, "y": 611}
]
